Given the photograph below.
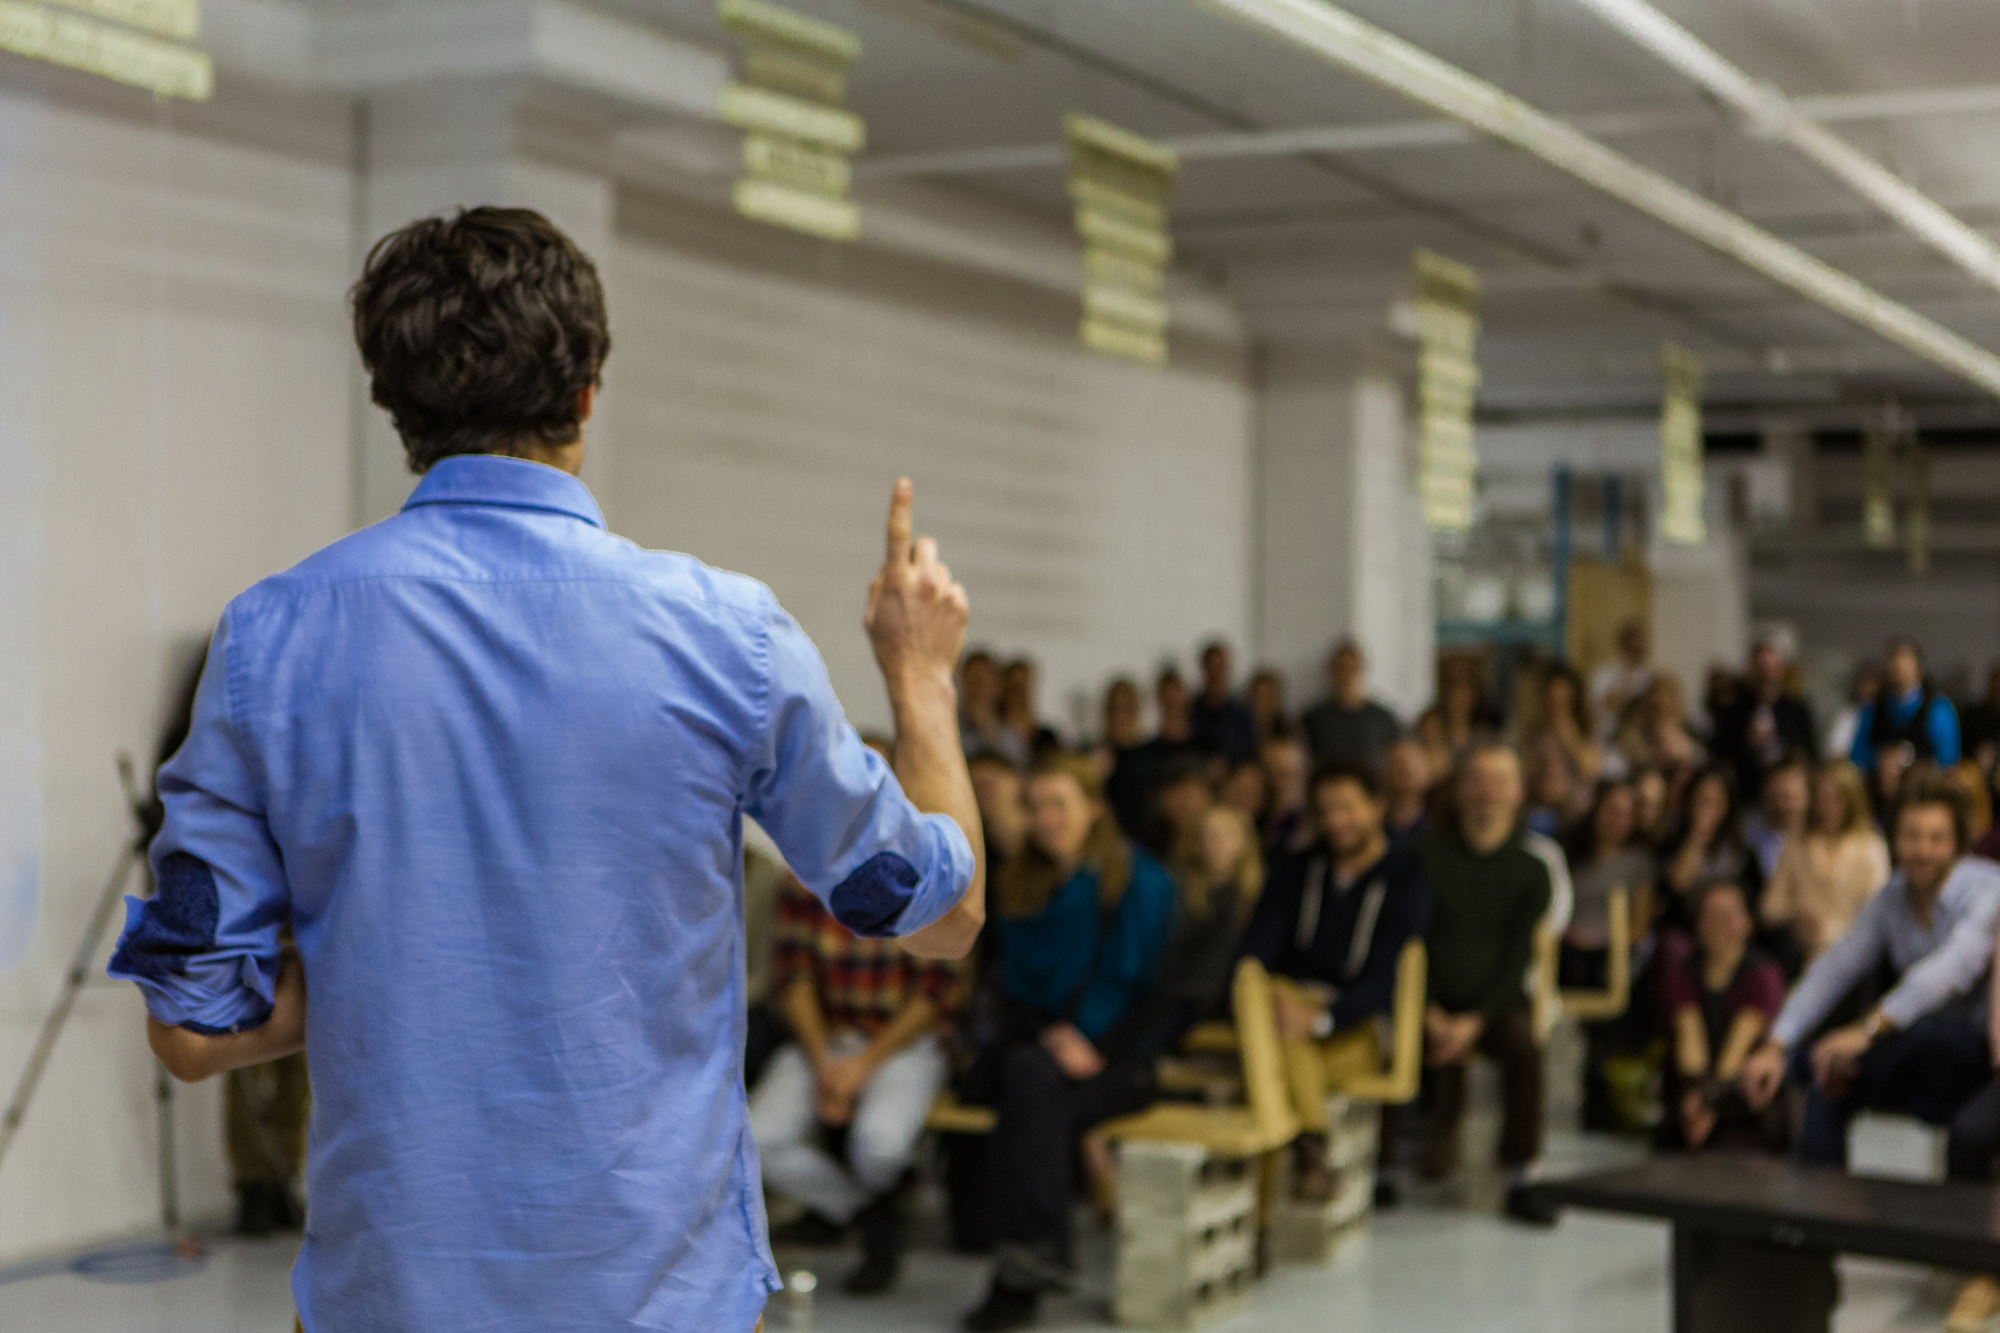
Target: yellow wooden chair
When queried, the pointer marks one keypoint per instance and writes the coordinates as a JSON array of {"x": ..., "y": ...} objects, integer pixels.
[
  {"x": 1265, "y": 1124},
  {"x": 1593, "y": 1006},
  {"x": 1398, "y": 1082}
]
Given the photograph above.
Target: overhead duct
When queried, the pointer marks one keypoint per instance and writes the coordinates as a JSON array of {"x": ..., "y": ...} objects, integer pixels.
[
  {"x": 1768, "y": 115},
  {"x": 1347, "y": 42}
]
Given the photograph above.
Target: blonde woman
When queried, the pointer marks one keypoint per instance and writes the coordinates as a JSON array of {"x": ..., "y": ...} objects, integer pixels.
[
  {"x": 1221, "y": 873},
  {"x": 1823, "y": 878}
]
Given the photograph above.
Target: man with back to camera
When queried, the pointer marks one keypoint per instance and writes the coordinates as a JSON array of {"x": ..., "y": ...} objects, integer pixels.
[{"x": 492, "y": 764}]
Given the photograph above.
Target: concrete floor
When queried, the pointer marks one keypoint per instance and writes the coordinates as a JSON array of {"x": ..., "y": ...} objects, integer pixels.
[{"x": 1430, "y": 1265}]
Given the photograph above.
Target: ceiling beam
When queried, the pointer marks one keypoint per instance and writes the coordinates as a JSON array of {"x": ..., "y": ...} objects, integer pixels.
[
  {"x": 1391, "y": 136},
  {"x": 1769, "y": 116},
  {"x": 1346, "y": 42}
]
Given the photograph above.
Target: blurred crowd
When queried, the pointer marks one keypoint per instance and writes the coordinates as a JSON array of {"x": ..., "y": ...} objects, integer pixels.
[{"x": 1801, "y": 913}]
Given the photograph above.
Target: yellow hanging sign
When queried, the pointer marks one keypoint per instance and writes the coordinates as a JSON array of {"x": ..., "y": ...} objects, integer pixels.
[
  {"x": 164, "y": 68},
  {"x": 1447, "y": 388},
  {"x": 1681, "y": 468},
  {"x": 1119, "y": 183},
  {"x": 791, "y": 103}
]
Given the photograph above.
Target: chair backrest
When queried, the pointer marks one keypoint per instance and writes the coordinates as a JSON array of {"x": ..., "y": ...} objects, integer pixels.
[
  {"x": 1398, "y": 1083},
  {"x": 1263, "y": 1061}
]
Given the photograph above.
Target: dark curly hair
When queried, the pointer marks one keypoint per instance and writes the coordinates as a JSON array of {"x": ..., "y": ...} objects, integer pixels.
[{"x": 479, "y": 332}]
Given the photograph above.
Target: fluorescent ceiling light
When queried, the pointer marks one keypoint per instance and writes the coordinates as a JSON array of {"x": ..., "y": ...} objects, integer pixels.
[
  {"x": 1770, "y": 116},
  {"x": 1361, "y": 48}
]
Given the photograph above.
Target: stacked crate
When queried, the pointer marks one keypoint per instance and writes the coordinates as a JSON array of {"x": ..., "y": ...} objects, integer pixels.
[
  {"x": 1313, "y": 1233},
  {"x": 1187, "y": 1236}
]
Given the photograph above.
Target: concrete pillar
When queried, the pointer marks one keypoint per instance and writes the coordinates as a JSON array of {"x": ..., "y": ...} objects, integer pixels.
[
  {"x": 459, "y": 143},
  {"x": 1342, "y": 549}
]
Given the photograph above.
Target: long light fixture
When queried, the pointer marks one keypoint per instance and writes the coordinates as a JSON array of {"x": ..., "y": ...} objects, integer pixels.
[
  {"x": 1341, "y": 39},
  {"x": 1768, "y": 115}
]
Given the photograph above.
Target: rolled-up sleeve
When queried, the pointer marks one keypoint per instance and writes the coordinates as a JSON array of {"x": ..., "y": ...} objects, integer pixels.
[
  {"x": 1834, "y": 973},
  {"x": 204, "y": 948},
  {"x": 835, "y": 809}
]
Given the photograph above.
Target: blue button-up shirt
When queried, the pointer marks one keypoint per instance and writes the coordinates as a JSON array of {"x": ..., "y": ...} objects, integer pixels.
[{"x": 491, "y": 763}]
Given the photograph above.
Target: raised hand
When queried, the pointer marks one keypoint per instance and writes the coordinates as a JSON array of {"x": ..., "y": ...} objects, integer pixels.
[{"x": 917, "y": 612}]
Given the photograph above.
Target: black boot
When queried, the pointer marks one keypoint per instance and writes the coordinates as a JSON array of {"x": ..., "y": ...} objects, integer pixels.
[
  {"x": 1006, "y": 1308},
  {"x": 880, "y": 1227},
  {"x": 810, "y": 1231}
]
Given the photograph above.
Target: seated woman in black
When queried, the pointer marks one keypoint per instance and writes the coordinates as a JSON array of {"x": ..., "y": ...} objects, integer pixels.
[
  {"x": 1084, "y": 920},
  {"x": 1721, "y": 996}
]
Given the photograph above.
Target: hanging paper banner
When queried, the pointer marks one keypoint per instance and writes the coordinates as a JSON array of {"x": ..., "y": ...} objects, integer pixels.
[
  {"x": 1119, "y": 183},
  {"x": 1920, "y": 509},
  {"x": 1878, "y": 486},
  {"x": 791, "y": 102},
  {"x": 1681, "y": 469},
  {"x": 120, "y": 53},
  {"x": 1447, "y": 388}
]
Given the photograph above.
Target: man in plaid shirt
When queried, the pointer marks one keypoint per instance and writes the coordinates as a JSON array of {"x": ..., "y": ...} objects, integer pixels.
[{"x": 866, "y": 1060}]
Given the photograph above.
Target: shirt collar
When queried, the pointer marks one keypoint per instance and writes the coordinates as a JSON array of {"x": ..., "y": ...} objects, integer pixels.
[{"x": 511, "y": 483}]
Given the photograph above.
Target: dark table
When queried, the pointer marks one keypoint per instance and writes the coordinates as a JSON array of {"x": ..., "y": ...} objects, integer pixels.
[{"x": 1755, "y": 1236}]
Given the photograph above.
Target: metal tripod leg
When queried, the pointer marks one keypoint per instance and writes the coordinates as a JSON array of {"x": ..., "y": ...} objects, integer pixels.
[{"x": 79, "y": 972}]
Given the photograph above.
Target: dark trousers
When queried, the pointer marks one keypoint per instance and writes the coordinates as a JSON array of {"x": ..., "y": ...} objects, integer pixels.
[
  {"x": 1509, "y": 1041},
  {"x": 1929, "y": 1070},
  {"x": 1031, "y": 1154},
  {"x": 1975, "y": 1136}
]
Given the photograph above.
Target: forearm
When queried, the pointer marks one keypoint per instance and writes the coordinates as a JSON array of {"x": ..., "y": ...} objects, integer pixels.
[
  {"x": 1690, "y": 1044},
  {"x": 194, "y": 1056},
  {"x": 1746, "y": 1033},
  {"x": 930, "y": 764},
  {"x": 915, "y": 1020}
]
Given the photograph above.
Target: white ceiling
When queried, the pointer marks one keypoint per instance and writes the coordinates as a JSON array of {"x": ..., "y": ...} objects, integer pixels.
[{"x": 1580, "y": 289}]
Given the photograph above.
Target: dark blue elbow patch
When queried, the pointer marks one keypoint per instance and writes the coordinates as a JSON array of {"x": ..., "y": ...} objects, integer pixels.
[
  {"x": 175, "y": 924},
  {"x": 869, "y": 901}
]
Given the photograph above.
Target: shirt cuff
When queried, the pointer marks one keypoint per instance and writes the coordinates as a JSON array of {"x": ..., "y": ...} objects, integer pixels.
[
  {"x": 209, "y": 993},
  {"x": 949, "y": 878}
]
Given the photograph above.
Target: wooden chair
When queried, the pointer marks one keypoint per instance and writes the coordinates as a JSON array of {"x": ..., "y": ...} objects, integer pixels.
[
  {"x": 1265, "y": 1124},
  {"x": 1398, "y": 1082},
  {"x": 1592, "y": 1006},
  {"x": 950, "y": 1116},
  {"x": 1545, "y": 1000},
  {"x": 1393, "y": 1085}
]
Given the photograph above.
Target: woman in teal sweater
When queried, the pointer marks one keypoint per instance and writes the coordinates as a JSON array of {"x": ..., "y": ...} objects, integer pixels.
[{"x": 1084, "y": 921}]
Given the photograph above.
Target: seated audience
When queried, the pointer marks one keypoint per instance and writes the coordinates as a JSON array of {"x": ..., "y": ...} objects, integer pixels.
[
  {"x": 1615, "y": 685},
  {"x": 1460, "y": 717},
  {"x": 980, "y": 726},
  {"x": 1654, "y": 731},
  {"x": 1650, "y": 804},
  {"x": 1407, "y": 779},
  {"x": 1704, "y": 845},
  {"x": 1118, "y": 752},
  {"x": 1181, "y": 797},
  {"x": 865, "y": 1057},
  {"x": 1909, "y": 716},
  {"x": 1604, "y": 856},
  {"x": 1825, "y": 876},
  {"x": 1559, "y": 714},
  {"x": 1134, "y": 785},
  {"x": 1266, "y": 697},
  {"x": 1221, "y": 876},
  {"x": 1287, "y": 823},
  {"x": 1553, "y": 787},
  {"x": 1720, "y": 998},
  {"x": 1764, "y": 721},
  {"x": 1780, "y": 816},
  {"x": 1222, "y": 724},
  {"x": 1084, "y": 922},
  {"x": 1347, "y": 725},
  {"x": 1490, "y": 893},
  {"x": 1246, "y": 789},
  {"x": 1979, "y": 729},
  {"x": 1924, "y": 1049},
  {"x": 1862, "y": 690},
  {"x": 1330, "y": 929},
  {"x": 1017, "y": 710}
]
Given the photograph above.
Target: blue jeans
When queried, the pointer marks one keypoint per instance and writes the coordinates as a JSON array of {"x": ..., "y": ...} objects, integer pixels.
[{"x": 1928, "y": 1070}]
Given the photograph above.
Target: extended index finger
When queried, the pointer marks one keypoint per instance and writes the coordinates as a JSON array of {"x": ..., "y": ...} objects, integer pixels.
[{"x": 899, "y": 522}]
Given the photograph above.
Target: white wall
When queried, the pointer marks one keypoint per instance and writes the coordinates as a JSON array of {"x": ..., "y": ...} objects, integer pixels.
[
  {"x": 769, "y": 390},
  {"x": 183, "y": 381}
]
